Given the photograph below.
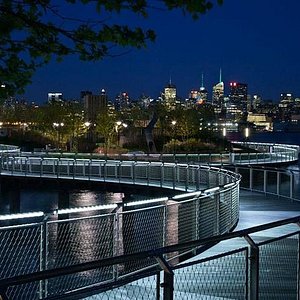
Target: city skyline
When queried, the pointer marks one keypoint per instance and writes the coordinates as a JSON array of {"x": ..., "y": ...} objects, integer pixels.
[{"x": 252, "y": 42}]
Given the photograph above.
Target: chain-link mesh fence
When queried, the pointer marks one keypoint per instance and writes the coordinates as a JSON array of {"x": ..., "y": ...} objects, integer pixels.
[{"x": 278, "y": 269}]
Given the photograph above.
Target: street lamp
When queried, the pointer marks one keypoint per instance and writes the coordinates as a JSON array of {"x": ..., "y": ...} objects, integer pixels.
[
  {"x": 247, "y": 131},
  {"x": 174, "y": 124},
  {"x": 224, "y": 136},
  {"x": 57, "y": 126},
  {"x": 224, "y": 132},
  {"x": 118, "y": 127}
]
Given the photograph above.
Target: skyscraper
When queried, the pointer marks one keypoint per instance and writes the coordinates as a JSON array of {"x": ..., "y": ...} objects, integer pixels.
[
  {"x": 203, "y": 93},
  {"x": 55, "y": 97},
  {"x": 122, "y": 101},
  {"x": 94, "y": 104},
  {"x": 170, "y": 95},
  {"x": 218, "y": 92},
  {"x": 238, "y": 95},
  {"x": 286, "y": 99}
]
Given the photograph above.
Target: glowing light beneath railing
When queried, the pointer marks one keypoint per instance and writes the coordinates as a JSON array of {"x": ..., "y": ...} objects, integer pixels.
[
  {"x": 229, "y": 185},
  {"x": 146, "y": 201},
  {"x": 85, "y": 209},
  {"x": 21, "y": 216},
  {"x": 182, "y": 196},
  {"x": 212, "y": 190}
]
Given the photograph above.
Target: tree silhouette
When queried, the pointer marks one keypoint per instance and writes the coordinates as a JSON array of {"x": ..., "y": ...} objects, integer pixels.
[{"x": 33, "y": 32}]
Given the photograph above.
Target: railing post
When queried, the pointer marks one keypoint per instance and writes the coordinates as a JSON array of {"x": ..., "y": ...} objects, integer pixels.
[
  {"x": 41, "y": 166},
  {"x": 168, "y": 284},
  {"x": 251, "y": 178},
  {"x": 43, "y": 257},
  {"x": 278, "y": 183},
  {"x": 217, "y": 202},
  {"x": 265, "y": 181},
  {"x": 117, "y": 237},
  {"x": 158, "y": 286},
  {"x": 186, "y": 178},
  {"x": 174, "y": 175},
  {"x": 162, "y": 174},
  {"x": 254, "y": 269},
  {"x": 298, "y": 269},
  {"x": 291, "y": 184}
]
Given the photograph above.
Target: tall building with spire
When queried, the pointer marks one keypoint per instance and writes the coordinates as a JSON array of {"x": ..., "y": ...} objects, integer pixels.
[
  {"x": 170, "y": 95},
  {"x": 218, "y": 92},
  {"x": 199, "y": 96},
  {"x": 203, "y": 93}
]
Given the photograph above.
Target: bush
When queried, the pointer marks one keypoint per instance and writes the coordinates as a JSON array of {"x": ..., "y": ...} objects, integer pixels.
[{"x": 192, "y": 146}]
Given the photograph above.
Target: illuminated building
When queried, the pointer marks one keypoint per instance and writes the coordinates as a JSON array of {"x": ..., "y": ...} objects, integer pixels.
[
  {"x": 256, "y": 101},
  {"x": 218, "y": 92},
  {"x": 170, "y": 95},
  {"x": 199, "y": 97},
  {"x": 122, "y": 101},
  {"x": 261, "y": 121},
  {"x": 286, "y": 99},
  {"x": 238, "y": 95},
  {"x": 55, "y": 97}
]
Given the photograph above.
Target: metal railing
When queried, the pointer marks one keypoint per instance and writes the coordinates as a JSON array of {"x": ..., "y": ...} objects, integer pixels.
[
  {"x": 261, "y": 153},
  {"x": 192, "y": 216},
  {"x": 209, "y": 207},
  {"x": 182, "y": 177},
  {"x": 256, "y": 268},
  {"x": 260, "y": 268}
]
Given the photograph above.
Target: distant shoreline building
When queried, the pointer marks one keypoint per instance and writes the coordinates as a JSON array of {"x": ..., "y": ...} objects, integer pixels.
[{"x": 54, "y": 97}]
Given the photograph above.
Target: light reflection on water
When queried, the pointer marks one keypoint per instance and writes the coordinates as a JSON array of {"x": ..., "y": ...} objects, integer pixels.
[{"x": 48, "y": 200}]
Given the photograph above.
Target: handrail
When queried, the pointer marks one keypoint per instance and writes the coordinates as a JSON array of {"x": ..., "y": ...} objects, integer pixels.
[
  {"x": 266, "y": 153},
  {"x": 41, "y": 275}
]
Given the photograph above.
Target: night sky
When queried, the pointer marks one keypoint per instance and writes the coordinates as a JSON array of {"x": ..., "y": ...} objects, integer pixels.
[{"x": 255, "y": 42}]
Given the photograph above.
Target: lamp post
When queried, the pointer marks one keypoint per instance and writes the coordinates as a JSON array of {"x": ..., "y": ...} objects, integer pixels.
[
  {"x": 57, "y": 126},
  {"x": 224, "y": 136},
  {"x": 247, "y": 132},
  {"x": 118, "y": 127},
  {"x": 174, "y": 127}
]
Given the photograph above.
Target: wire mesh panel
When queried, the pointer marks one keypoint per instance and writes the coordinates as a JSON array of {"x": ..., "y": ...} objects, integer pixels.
[
  {"x": 285, "y": 183},
  {"x": 78, "y": 168},
  {"x": 126, "y": 170},
  {"x": 272, "y": 181},
  {"x": 235, "y": 205},
  {"x": 278, "y": 263},
  {"x": 224, "y": 277},
  {"x": 20, "y": 253},
  {"x": 77, "y": 241},
  {"x": 204, "y": 177},
  {"x": 141, "y": 171},
  {"x": 142, "y": 230},
  {"x": 193, "y": 177},
  {"x": 207, "y": 216},
  {"x": 155, "y": 172},
  {"x": 48, "y": 166},
  {"x": 182, "y": 176},
  {"x": 225, "y": 208},
  {"x": 142, "y": 289},
  {"x": 258, "y": 179},
  {"x": 187, "y": 218},
  {"x": 213, "y": 178}
]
